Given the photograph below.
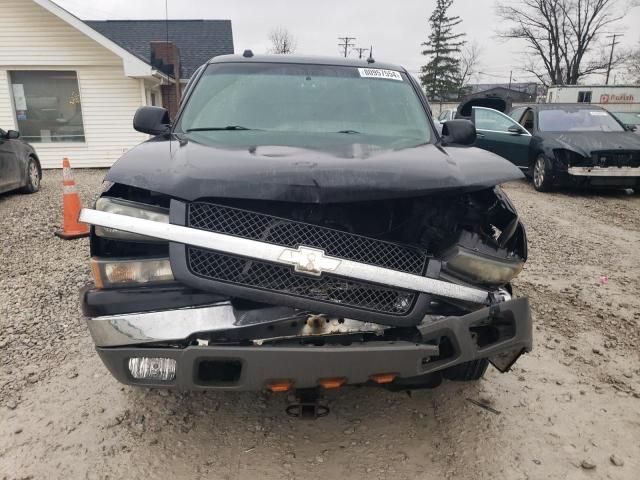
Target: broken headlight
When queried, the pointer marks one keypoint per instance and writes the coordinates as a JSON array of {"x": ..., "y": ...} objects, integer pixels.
[
  {"x": 131, "y": 209},
  {"x": 478, "y": 268},
  {"x": 568, "y": 158},
  {"x": 476, "y": 261}
]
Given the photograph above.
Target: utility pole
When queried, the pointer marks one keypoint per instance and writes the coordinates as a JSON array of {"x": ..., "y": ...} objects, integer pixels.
[
  {"x": 346, "y": 43},
  {"x": 361, "y": 51},
  {"x": 510, "y": 77},
  {"x": 613, "y": 44}
]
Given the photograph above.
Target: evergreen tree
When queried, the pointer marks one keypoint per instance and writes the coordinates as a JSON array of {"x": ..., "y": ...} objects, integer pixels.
[{"x": 440, "y": 74}]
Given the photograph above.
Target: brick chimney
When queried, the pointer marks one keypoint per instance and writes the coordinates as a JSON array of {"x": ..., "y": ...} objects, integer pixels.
[{"x": 165, "y": 57}]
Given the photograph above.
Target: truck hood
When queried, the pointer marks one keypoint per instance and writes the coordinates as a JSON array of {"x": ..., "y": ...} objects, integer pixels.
[
  {"x": 585, "y": 143},
  {"x": 351, "y": 172}
]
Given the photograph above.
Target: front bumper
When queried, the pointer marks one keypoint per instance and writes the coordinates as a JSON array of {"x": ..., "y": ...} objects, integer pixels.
[
  {"x": 443, "y": 343},
  {"x": 599, "y": 177},
  {"x": 633, "y": 172}
]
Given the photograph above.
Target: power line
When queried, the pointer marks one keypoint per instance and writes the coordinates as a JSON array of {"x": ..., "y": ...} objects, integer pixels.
[
  {"x": 361, "y": 51},
  {"x": 346, "y": 43}
]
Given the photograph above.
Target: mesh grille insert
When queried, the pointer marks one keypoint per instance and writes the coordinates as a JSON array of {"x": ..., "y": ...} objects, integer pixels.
[
  {"x": 289, "y": 233},
  {"x": 616, "y": 158},
  {"x": 251, "y": 273}
]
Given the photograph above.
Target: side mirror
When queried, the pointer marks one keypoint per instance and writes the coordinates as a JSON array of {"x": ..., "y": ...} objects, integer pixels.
[
  {"x": 632, "y": 128},
  {"x": 460, "y": 132},
  {"x": 12, "y": 134},
  {"x": 515, "y": 129},
  {"x": 152, "y": 120}
]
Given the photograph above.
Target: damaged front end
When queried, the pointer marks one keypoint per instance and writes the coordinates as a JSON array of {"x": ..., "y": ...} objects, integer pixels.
[{"x": 248, "y": 294}]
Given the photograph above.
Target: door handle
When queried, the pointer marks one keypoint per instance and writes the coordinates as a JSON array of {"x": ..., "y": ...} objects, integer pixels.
[{"x": 479, "y": 135}]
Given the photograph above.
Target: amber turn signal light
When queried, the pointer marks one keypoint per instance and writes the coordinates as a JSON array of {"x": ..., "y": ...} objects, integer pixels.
[
  {"x": 329, "y": 383},
  {"x": 280, "y": 385},
  {"x": 383, "y": 377}
]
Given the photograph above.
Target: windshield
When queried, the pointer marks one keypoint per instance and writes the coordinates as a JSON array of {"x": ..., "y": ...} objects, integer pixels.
[
  {"x": 254, "y": 103},
  {"x": 578, "y": 120},
  {"x": 630, "y": 118}
]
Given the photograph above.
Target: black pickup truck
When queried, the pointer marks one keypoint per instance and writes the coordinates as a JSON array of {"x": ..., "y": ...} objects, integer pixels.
[{"x": 301, "y": 224}]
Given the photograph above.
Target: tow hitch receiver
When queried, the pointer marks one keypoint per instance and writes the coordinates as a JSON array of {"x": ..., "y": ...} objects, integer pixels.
[{"x": 307, "y": 405}]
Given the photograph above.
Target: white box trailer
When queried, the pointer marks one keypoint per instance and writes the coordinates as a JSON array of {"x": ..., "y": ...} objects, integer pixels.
[{"x": 616, "y": 98}]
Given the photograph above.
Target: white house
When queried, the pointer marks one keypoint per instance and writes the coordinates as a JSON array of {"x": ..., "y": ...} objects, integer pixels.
[{"x": 72, "y": 89}]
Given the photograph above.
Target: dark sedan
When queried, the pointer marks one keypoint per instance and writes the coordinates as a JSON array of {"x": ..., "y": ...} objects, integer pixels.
[
  {"x": 19, "y": 164},
  {"x": 563, "y": 144}
]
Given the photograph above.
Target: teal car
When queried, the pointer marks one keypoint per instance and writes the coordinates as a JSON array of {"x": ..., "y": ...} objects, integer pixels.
[{"x": 501, "y": 134}]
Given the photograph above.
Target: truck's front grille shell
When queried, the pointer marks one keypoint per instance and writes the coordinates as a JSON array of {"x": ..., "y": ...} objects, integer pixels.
[{"x": 282, "y": 279}]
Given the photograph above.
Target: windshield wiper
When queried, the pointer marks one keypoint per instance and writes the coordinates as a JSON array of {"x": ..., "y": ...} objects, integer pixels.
[{"x": 214, "y": 129}]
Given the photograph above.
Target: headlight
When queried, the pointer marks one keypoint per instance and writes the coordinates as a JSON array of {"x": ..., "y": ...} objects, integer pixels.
[
  {"x": 118, "y": 273},
  {"x": 131, "y": 209},
  {"x": 569, "y": 158},
  {"x": 478, "y": 268}
]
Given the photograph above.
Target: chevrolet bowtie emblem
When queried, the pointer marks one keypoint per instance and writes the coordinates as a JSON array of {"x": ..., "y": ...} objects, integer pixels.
[{"x": 309, "y": 260}]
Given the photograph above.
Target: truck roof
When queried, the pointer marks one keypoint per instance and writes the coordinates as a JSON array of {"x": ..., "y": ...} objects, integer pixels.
[{"x": 306, "y": 59}]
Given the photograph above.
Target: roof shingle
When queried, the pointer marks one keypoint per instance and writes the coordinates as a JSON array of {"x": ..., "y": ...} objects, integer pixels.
[{"x": 198, "y": 40}]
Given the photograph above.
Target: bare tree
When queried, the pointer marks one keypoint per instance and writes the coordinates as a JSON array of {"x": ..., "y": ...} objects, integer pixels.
[
  {"x": 632, "y": 71},
  {"x": 468, "y": 66},
  {"x": 282, "y": 41},
  {"x": 561, "y": 34}
]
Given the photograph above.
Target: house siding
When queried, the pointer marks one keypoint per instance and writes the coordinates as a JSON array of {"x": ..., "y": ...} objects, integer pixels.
[{"x": 31, "y": 38}]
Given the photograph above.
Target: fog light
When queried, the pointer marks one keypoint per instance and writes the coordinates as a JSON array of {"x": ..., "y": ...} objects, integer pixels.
[{"x": 148, "y": 368}]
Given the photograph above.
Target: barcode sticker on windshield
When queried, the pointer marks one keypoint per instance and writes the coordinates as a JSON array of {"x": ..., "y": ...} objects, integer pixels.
[
  {"x": 599, "y": 114},
  {"x": 379, "y": 73}
]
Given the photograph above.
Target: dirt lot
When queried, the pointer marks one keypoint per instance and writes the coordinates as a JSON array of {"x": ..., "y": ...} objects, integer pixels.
[{"x": 571, "y": 409}]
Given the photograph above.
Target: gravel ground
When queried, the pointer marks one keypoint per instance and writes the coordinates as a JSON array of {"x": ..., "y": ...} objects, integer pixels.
[{"x": 570, "y": 409}]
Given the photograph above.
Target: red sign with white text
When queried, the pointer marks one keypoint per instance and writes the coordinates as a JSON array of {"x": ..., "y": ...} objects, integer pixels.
[{"x": 613, "y": 98}]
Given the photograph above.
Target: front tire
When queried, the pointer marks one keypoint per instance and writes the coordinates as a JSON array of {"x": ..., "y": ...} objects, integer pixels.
[
  {"x": 467, "y": 372},
  {"x": 33, "y": 176},
  {"x": 541, "y": 174}
]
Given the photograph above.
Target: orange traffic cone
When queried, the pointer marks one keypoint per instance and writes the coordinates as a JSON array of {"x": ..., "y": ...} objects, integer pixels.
[{"x": 71, "y": 206}]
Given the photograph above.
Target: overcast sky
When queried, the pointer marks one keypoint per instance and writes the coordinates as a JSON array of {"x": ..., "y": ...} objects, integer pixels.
[{"x": 395, "y": 28}]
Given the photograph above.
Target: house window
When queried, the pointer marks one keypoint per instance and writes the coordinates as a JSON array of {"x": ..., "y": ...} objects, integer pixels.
[
  {"x": 47, "y": 106},
  {"x": 584, "y": 97}
]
